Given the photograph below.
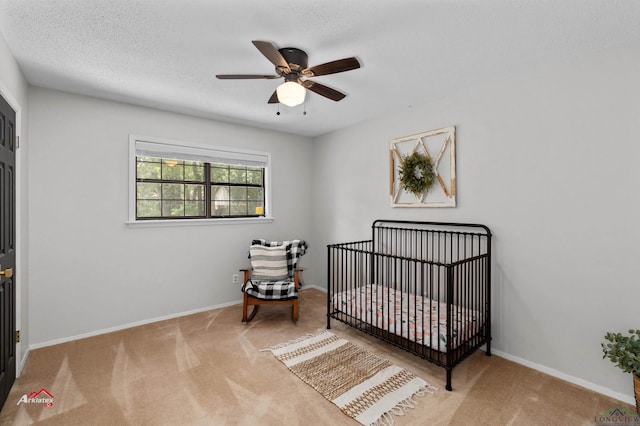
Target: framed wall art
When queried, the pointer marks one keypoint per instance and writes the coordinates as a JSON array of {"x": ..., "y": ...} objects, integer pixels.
[{"x": 423, "y": 169}]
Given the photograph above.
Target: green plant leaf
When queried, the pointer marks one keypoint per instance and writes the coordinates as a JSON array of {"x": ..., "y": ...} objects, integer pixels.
[{"x": 623, "y": 351}]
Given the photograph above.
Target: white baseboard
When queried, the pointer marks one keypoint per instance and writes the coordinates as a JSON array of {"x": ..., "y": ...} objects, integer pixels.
[
  {"x": 307, "y": 286},
  {"x": 23, "y": 362},
  {"x": 130, "y": 325},
  {"x": 629, "y": 399},
  {"x": 143, "y": 322}
]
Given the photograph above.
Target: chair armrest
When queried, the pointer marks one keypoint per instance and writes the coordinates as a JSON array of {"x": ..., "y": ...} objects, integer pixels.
[
  {"x": 296, "y": 276},
  {"x": 247, "y": 274}
]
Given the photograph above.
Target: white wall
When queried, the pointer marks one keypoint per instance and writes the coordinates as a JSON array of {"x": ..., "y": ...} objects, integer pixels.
[
  {"x": 14, "y": 88},
  {"x": 90, "y": 271},
  {"x": 549, "y": 162}
]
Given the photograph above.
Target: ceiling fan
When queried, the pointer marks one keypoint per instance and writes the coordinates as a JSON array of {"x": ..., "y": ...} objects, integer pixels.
[{"x": 292, "y": 64}]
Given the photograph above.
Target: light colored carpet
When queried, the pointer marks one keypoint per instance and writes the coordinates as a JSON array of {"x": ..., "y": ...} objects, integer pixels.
[{"x": 207, "y": 369}]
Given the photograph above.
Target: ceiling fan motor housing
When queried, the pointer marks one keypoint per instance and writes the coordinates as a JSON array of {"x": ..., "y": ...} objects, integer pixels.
[{"x": 296, "y": 58}]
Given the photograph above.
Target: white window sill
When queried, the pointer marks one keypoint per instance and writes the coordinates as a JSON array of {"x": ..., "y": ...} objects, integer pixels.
[{"x": 196, "y": 222}]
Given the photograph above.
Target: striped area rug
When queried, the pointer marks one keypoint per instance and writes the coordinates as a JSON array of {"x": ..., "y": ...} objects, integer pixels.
[{"x": 364, "y": 386}]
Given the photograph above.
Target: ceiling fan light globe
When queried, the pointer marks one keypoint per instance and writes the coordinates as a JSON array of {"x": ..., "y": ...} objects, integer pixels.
[{"x": 291, "y": 93}]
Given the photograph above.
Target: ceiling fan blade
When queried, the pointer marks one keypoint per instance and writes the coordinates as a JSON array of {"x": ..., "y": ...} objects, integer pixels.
[
  {"x": 244, "y": 76},
  {"x": 274, "y": 98},
  {"x": 323, "y": 90},
  {"x": 271, "y": 53},
  {"x": 341, "y": 65}
]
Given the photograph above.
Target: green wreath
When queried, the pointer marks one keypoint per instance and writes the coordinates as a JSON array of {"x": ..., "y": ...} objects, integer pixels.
[{"x": 416, "y": 173}]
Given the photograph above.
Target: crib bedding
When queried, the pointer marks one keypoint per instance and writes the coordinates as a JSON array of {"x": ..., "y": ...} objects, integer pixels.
[{"x": 416, "y": 318}]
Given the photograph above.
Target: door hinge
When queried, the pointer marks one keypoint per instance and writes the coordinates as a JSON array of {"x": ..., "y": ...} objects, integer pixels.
[
  {"x": 17, "y": 141},
  {"x": 17, "y": 336}
]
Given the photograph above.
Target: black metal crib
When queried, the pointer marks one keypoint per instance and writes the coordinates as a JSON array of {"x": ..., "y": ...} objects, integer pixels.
[{"x": 422, "y": 286}]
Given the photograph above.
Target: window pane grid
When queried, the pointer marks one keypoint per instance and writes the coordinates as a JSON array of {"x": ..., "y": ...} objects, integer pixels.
[{"x": 176, "y": 189}]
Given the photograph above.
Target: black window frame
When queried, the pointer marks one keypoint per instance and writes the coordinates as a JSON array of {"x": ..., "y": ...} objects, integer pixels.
[{"x": 208, "y": 184}]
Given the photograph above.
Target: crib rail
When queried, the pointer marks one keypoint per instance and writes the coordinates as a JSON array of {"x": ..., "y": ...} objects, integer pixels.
[{"x": 422, "y": 286}]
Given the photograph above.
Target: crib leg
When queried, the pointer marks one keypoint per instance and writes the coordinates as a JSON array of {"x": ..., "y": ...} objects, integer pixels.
[
  {"x": 448, "y": 386},
  {"x": 328, "y": 322}
]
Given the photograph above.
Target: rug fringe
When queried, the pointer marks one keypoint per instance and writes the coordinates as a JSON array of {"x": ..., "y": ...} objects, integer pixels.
[
  {"x": 401, "y": 408},
  {"x": 291, "y": 342}
]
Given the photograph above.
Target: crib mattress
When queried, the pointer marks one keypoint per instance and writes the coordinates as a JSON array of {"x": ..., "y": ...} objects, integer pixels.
[{"x": 416, "y": 318}]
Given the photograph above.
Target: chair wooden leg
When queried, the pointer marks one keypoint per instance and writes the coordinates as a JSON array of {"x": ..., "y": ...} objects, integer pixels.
[
  {"x": 253, "y": 313},
  {"x": 244, "y": 307},
  {"x": 294, "y": 311}
]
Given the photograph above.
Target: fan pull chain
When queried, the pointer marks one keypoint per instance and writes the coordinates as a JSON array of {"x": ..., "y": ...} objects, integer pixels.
[{"x": 304, "y": 111}]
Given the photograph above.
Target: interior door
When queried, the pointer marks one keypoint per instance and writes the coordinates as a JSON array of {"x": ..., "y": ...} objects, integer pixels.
[{"x": 7, "y": 249}]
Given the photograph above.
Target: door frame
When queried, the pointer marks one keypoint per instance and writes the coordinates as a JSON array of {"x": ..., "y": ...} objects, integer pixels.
[{"x": 15, "y": 105}]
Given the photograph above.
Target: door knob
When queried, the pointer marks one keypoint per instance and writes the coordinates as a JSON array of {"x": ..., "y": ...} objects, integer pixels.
[{"x": 7, "y": 272}]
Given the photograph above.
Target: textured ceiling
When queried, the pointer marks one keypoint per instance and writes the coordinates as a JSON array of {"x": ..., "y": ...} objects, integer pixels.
[{"x": 166, "y": 53}]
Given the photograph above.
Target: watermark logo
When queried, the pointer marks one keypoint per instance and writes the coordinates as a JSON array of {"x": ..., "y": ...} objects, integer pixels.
[
  {"x": 617, "y": 416},
  {"x": 41, "y": 397}
]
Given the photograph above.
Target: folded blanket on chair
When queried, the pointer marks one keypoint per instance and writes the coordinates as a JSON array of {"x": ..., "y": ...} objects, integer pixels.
[{"x": 271, "y": 290}]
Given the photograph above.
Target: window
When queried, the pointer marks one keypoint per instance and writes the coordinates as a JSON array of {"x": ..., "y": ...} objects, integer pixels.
[
  {"x": 169, "y": 188},
  {"x": 172, "y": 180},
  {"x": 236, "y": 191}
]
